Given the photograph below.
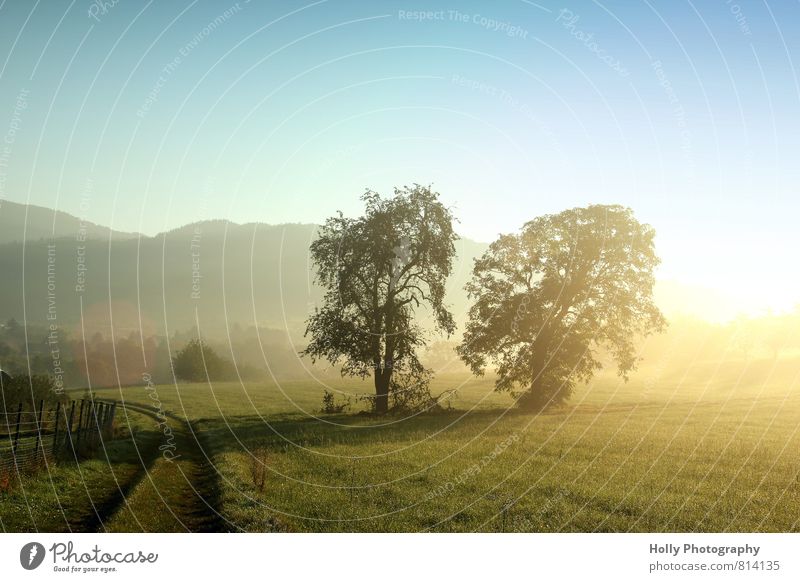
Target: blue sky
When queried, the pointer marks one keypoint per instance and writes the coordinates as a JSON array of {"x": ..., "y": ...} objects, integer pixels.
[{"x": 147, "y": 116}]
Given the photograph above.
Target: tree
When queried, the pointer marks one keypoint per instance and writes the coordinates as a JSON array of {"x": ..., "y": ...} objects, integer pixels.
[
  {"x": 547, "y": 299},
  {"x": 776, "y": 332},
  {"x": 197, "y": 362},
  {"x": 29, "y": 391},
  {"x": 380, "y": 272}
]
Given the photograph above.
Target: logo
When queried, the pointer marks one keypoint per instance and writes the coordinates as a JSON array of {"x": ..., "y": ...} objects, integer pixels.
[{"x": 31, "y": 555}]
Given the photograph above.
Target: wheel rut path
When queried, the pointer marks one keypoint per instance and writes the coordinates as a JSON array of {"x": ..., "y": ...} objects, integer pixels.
[{"x": 176, "y": 489}]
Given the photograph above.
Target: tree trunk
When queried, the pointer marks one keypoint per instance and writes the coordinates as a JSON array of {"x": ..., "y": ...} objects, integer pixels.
[
  {"x": 382, "y": 380},
  {"x": 535, "y": 398}
]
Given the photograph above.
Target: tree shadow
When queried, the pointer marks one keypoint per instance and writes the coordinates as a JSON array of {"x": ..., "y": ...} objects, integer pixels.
[{"x": 284, "y": 432}]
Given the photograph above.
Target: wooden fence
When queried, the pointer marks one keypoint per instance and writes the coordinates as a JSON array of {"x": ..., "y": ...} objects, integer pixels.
[{"x": 29, "y": 438}]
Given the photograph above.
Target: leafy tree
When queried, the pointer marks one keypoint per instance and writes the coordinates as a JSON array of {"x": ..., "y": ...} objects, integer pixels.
[
  {"x": 197, "y": 362},
  {"x": 547, "y": 299},
  {"x": 381, "y": 271}
]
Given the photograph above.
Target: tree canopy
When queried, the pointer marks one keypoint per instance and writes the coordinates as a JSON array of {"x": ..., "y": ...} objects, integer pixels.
[
  {"x": 382, "y": 271},
  {"x": 550, "y": 297}
]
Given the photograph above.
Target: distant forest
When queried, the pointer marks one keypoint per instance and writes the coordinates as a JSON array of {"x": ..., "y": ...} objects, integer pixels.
[{"x": 124, "y": 360}]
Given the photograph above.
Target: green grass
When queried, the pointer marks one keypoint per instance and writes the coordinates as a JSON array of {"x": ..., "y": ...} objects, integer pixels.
[
  {"x": 636, "y": 469},
  {"x": 708, "y": 446}
]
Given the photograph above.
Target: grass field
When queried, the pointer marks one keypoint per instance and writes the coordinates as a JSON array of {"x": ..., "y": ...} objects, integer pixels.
[{"x": 708, "y": 447}]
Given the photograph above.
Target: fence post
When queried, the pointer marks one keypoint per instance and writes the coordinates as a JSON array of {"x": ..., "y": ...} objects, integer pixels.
[
  {"x": 95, "y": 408},
  {"x": 69, "y": 426},
  {"x": 16, "y": 434},
  {"x": 111, "y": 415},
  {"x": 87, "y": 423},
  {"x": 80, "y": 424},
  {"x": 55, "y": 430},
  {"x": 98, "y": 409},
  {"x": 101, "y": 427},
  {"x": 39, "y": 428},
  {"x": 93, "y": 420}
]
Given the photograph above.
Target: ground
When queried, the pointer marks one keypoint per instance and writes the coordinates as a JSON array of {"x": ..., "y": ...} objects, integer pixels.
[{"x": 708, "y": 448}]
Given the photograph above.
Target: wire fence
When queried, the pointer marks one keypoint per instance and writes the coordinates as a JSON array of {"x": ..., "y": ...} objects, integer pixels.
[{"x": 32, "y": 438}]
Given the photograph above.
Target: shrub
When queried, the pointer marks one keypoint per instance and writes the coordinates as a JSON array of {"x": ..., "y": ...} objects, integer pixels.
[
  {"x": 258, "y": 468},
  {"x": 29, "y": 391},
  {"x": 197, "y": 362},
  {"x": 331, "y": 406}
]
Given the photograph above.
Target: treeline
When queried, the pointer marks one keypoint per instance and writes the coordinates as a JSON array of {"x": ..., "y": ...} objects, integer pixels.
[
  {"x": 769, "y": 336},
  {"x": 73, "y": 363},
  {"x": 100, "y": 360}
]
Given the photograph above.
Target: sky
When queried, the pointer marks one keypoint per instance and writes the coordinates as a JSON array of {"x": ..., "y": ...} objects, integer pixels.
[{"x": 146, "y": 116}]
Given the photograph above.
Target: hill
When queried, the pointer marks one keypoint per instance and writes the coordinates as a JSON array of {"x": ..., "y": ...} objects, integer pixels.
[{"x": 21, "y": 222}]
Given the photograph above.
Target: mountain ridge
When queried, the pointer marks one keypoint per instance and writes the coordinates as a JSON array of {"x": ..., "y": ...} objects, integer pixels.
[
  {"x": 29, "y": 222},
  {"x": 213, "y": 273}
]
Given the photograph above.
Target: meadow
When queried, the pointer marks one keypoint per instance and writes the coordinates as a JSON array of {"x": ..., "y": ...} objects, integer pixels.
[{"x": 707, "y": 446}]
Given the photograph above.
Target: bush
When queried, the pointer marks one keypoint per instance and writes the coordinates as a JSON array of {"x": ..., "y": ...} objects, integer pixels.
[
  {"x": 258, "y": 468},
  {"x": 29, "y": 391},
  {"x": 330, "y": 406},
  {"x": 197, "y": 362}
]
